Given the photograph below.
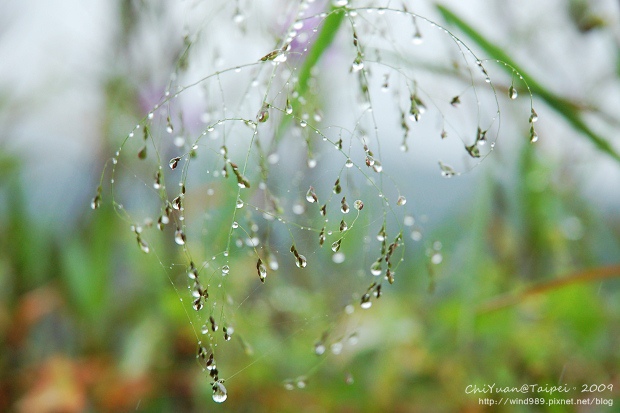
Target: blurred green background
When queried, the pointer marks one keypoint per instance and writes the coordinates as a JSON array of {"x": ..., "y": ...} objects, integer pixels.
[{"x": 527, "y": 291}]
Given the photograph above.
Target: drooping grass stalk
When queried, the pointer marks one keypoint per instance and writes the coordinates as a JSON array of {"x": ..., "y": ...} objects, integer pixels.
[{"x": 567, "y": 109}]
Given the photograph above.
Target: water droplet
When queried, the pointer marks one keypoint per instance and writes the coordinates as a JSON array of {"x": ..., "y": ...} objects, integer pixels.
[
  {"x": 235, "y": 225},
  {"x": 436, "y": 258},
  {"x": 533, "y": 135},
  {"x": 377, "y": 166},
  {"x": 349, "y": 163},
  {"x": 375, "y": 268},
  {"x": 219, "y": 392},
  {"x": 311, "y": 196},
  {"x": 336, "y": 245},
  {"x": 96, "y": 202},
  {"x": 381, "y": 234},
  {"x": 357, "y": 64},
  {"x": 446, "y": 170},
  {"x": 174, "y": 162},
  {"x": 204, "y": 329},
  {"x": 512, "y": 92},
  {"x": 343, "y": 225},
  {"x": 401, "y": 201},
  {"x": 263, "y": 114},
  {"x": 365, "y": 302},
  {"x": 358, "y": 204},
  {"x": 533, "y": 116},
  {"x": 261, "y": 269},
  {"x": 301, "y": 261},
  {"x": 289, "y": 385},
  {"x": 289, "y": 107},
  {"x": 337, "y": 188},
  {"x": 239, "y": 203},
  {"x": 344, "y": 206},
  {"x": 417, "y": 38},
  {"x": 144, "y": 246},
  {"x": 225, "y": 270},
  {"x": 302, "y": 383},
  {"x": 341, "y": 3},
  {"x": 179, "y": 237},
  {"x": 303, "y": 123}
]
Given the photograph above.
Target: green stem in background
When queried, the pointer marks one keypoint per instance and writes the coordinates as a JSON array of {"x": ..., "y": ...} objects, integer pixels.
[
  {"x": 511, "y": 299},
  {"x": 567, "y": 109},
  {"x": 323, "y": 41},
  {"x": 331, "y": 25}
]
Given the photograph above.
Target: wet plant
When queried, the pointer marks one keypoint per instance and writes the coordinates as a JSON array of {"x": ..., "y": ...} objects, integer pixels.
[{"x": 250, "y": 162}]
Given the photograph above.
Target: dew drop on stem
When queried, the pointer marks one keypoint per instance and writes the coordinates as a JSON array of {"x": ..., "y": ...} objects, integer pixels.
[
  {"x": 344, "y": 206},
  {"x": 179, "y": 236},
  {"x": 219, "y": 392},
  {"x": 225, "y": 270},
  {"x": 261, "y": 269},
  {"x": 365, "y": 302},
  {"x": 512, "y": 92},
  {"x": 375, "y": 268},
  {"x": 174, "y": 162},
  {"x": 311, "y": 196},
  {"x": 401, "y": 200},
  {"x": 301, "y": 261},
  {"x": 263, "y": 114}
]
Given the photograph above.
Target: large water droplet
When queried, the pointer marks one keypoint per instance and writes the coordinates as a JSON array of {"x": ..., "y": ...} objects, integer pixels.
[
  {"x": 179, "y": 237},
  {"x": 357, "y": 64},
  {"x": 261, "y": 269},
  {"x": 417, "y": 38},
  {"x": 219, "y": 392},
  {"x": 344, "y": 206},
  {"x": 96, "y": 202},
  {"x": 301, "y": 261},
  {"x": 358, "y": 204},
  {"x": 336, "y": 245},
  {"x": 512, "y": 92},
  {"x": 401, "y": 201},
  {"x": 533, "y": 116},
  {"x": 173, "y": 163},
  {"x": 311, "y": 196},
  {"x": 144, "y": 246},
  {"x": 239, "y": 203},
  {"x": 263, "y": 114},
  {"x": 349, "y": 163},
  {"x": 375, "y": 268},
  {"x": 225, "y": 270},
  {"x": 365, "y": 302},
  {"x": 289, "y": 107}
]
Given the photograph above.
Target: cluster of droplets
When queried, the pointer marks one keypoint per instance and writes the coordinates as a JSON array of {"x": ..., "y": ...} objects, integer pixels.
[{"x": 384, "y": 265}]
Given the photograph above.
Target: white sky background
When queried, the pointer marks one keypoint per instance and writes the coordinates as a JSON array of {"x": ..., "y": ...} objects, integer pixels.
[{"x": 56, "y": 55}]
